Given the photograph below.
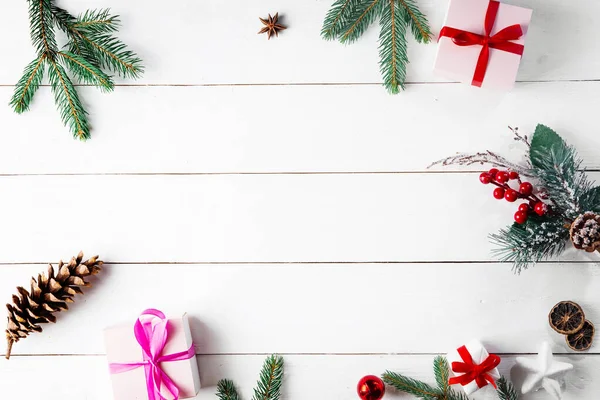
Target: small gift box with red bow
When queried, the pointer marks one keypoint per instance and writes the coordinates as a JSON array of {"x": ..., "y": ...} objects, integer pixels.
[
  {"x": 473, "y": 367},
  {"x": 153, "y": 358},
  {"x": 482, "y": 43}
]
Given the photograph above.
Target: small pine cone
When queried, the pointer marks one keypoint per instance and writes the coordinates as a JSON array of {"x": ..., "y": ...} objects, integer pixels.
[
  {"x": 585, "y": 232},
  {"x": 49, "y": 294}
]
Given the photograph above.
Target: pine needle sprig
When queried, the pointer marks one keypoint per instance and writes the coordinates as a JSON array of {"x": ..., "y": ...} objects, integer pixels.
[
  {"x": 441, "y": 370},
  {"x": 363, "y": 15},
  {"x": 392, "y": 49},
  {"x": 268, "y": 386},
  {"x": 417, "y": 21},
  {"x": 90, "y": 49},
  {"x": 89, "y": 36},
  {"x": 86, "y": 71},
  {"x": 338, "y": 17},
  {"x": 72, "y": 111},
  {"x": 40, "y": 23},
  {"x": 271, "y": 378},
  {"x": 226, "y": 390},
  {"x": 97, "y": 21},
  {"x": 347, "y": 20},
  {"x": 539, "y": 239},
  {"x": 28, "y": 84},
  {"x": 411, "y": 386},
  {"x": 506, "y": 390}
]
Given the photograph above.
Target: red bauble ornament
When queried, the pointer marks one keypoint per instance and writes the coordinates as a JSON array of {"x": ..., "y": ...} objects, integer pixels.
[
  {"x": 526, "y": 188},
  {"x": 499, "y": 193},
  {"x": 511, "y": 196},
  {"x": 485, "y": 178},
  {"x": 370, "y": 387},
  {"x": 502, "y": 176},
  {"x": 540, "y": 209},
  {"x": 513, "y": 175},
  {"x": 524, "y": 207},
  {"x": 520, "y": 217}
]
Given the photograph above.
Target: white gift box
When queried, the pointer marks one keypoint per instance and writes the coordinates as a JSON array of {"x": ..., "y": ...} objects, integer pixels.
[{"x": 479, "y": 354}]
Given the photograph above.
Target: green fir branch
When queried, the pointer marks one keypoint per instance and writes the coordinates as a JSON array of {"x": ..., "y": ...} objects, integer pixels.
[
  {"x": 337, "y": 18},
  {"x": 62, "y": 18},
  {"x": 441, "y": 370},
  {"x": 392, "y": 47},
  {"x": 226, "y": 390},
  {"x": 40, "y": 23},
  {"x": 113, "y": 54},
  {"x": 411, "y": 386},
  {"x": 97, "y": 21},
  {"x": 506, "y": 390},
  {"x": 89, "y": 49},
  {"x": 347, "y": 20},
  {"x": 268, "y": 386},
  {"x": 71, "y": 109},
  {"x": 590, "y": 200},
  {"x": 28, "y": 85},
  {"x": 271, "y": 379},
  {"x": 417, "y": 21},
  {"x": 538, "y": 239},
  {"x": 86, "y": 71},
  {"x": 363, "y": 15}
]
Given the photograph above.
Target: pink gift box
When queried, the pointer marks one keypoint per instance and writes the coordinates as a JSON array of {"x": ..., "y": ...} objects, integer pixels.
[
  {"x": 123, "y": 348},
  {"x": 459, "y": 62}
]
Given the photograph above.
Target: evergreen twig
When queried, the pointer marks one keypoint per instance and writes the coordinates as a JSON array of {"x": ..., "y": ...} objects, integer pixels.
[
  {"x": 28, "y": 84},
  {"x": 347, "y": 20},
  {"x": 226, "y": 390},
  {"x": 506, "y": 390},
  {"x": 271, "y": 378},
  {"x": 90, "y": 49},
  {"x": 268, "y": 386},
  {"x": 443, "y": 391},
  {"x": 411, "y": 386},
  {"x": 539, "y": 239}
]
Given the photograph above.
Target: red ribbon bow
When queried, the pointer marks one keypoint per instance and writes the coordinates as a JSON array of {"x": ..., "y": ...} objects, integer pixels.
[
  {"x": 472, "y": 372},
  {"x": 500, "y": 41}
]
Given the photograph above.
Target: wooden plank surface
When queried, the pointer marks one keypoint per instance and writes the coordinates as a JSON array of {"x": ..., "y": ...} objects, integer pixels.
[
  {"x": 307, "y": 377},
  {"x": 239, "y": 172},
  {"x": 324, "y": 308},
  {"x": 254, "y": 218},
  {"x": 214, "y": 42},
  {"x": 308, "y": 129}
]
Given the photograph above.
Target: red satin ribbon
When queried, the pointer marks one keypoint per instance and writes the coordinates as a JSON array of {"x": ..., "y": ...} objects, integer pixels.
[
  {"x": 500, "y": 41},
  {"x": 472, "y": 372}
]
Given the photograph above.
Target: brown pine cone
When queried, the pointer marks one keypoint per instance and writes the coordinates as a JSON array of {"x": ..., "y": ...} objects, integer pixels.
[
  {"x": 49, "y": 294},
  {"x": 585, "y": 232}
]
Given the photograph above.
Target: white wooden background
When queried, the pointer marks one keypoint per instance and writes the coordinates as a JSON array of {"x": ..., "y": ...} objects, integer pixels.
[{"x": 274, "y": 191}]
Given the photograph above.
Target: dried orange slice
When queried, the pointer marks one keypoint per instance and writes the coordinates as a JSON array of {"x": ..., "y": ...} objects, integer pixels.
[
  {"x": 566, "y": 317},
  {"x": 582, "y": 339}
]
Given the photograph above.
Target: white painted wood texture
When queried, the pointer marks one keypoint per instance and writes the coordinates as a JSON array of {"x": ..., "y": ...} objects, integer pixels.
[{"x": 240, "y": 172}]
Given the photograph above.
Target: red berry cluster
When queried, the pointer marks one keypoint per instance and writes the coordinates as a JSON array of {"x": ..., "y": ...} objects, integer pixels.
[{"x": 504, "y": 191}]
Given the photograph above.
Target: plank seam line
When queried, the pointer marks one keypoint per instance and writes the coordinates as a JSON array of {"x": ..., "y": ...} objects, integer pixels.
[
  {"x": 308, "y": 354},
  {"x": 457, "y": 262},
  {"x": 415, "y": 83},
  {"x": 418, "y": 172}
]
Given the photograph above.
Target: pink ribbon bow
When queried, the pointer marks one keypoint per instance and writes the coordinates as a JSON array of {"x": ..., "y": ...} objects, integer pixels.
[{"x": 151, "y": 333}]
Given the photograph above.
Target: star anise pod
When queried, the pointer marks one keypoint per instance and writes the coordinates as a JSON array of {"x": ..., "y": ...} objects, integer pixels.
[{"x": 271, "y": 26}]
